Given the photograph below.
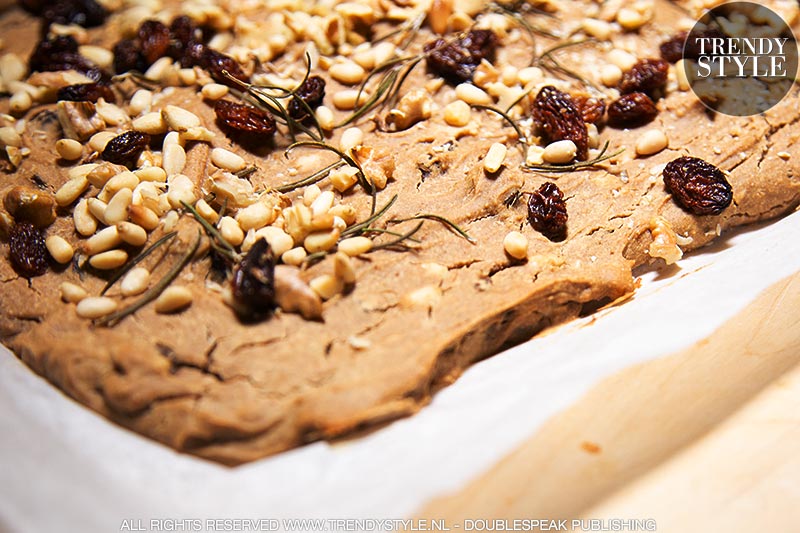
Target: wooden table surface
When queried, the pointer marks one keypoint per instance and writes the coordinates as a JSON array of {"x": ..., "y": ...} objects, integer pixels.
[{"x": 705, "y": 440}]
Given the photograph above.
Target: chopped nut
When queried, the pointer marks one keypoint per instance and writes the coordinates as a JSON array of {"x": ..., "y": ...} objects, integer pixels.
[
  {"x": 293, "y": 295},
  {"x": 326, "y": 286},
  {"x": 412, "y": 107},
  {"x": 27, "y": 204},
  {"x": 425, "y": 297},
  {"x": 457, "y": 113},
  {"x": 665, "y": 242},
  {"x": 79, "y": 120},
  {"x": 10, "y": 137}
]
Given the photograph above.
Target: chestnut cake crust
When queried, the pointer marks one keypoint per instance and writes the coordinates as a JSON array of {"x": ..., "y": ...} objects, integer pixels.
[{"x": 206, "y": 381}]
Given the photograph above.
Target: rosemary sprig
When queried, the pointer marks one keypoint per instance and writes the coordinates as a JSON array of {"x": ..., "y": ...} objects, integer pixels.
[
  {"x": 512, "y": 12},
  {"x": 387, "y": 232},
  {"x": 504, "y": 115},
  {"x": 310, "y": 180},
  {"x": 398, "y": 240},
  {"x": 360, "y": 227},
  {"x": 548, "y": 61},
  {"x": 153, "y": 292},
  {"x": 245, "y": 172},
  {"x": 136, "y": 260},
  {"x": 218, "y": 242},
  {"x": 578, "y": 165},
  {"x": 438, "y": 218}
]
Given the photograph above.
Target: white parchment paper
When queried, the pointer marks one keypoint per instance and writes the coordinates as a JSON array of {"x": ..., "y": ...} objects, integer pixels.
[{"x": 63, "y": 468}]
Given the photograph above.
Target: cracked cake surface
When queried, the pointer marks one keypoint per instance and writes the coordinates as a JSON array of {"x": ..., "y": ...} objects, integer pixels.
[{"x": 205, "y": 380}]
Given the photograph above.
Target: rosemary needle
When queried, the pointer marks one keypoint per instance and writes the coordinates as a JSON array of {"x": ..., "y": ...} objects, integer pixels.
[
  {"x": 153, "y": 292},
  {"x": 135, "y": 261}
]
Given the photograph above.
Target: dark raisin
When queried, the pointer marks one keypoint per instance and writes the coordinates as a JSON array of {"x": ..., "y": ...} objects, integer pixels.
[
  {"x": 672, "y": 48},
  {"x": 124, "y": 149},
  {"x": 61, "y": 53},
  {"x": 547, "y": 212},
  {"x": 632, "y": 110},
  {"x": 697, "y": 186},
  {"x": 558, "y": 118},
  {"x": 216, "y": 63},
  {"x": 312, "y": 91},
  {"x": 86, "y": 13},
  {"x": 128, "y": 56},
  {"x": 154, "y": 40},
  {"x": 86, "y": 92},
  {"x": 254, "y": 280},
  {"x": 183, "y": 32},
  {"x": 244, "y": 118},
  {"x": 592, "y": 109},
  {"x": 27, "y": 250},
  {"x": 647, "y": 76},
  {"x": 457, "y": 59}
]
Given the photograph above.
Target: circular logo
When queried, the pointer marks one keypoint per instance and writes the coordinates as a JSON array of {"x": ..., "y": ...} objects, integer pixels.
[{"x": 740, "y": 59}]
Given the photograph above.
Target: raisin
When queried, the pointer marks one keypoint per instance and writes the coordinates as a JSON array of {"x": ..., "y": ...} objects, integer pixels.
[
  {"x": 27, "y": 250},
  {"x": 631, "y": 110},
  {"x": 547, "y": 212},
  {"x": 154, "y": 40},
  {"x": 61, "y": 53},
  {"x": 86, "y": 13},
  {"x": 244, "y": 118},
  {"x": 182, "y": 33},
  {"x": 647, "y": 76},
  {"x": 672, "y": 48},
  {"x": 124, "y": 149},
  {"x": 697, "y": 186},
  {"x": 128, "y": 56},
  {"x": 457, "y": 59},
  {"x": 558, "y": 118},
  {"x": 592, "y": 109},
  {"x": 86, "y": 92},
  {"x": 254, "y": 279},
  {"x": 312, "y": 91},
  {"x": 216, "y": 63}
]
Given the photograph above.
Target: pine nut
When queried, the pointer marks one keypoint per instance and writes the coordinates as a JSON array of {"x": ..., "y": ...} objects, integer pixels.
[
  {"x": 103, "y": 240},
  {"x": 599, "y": 29},
  {"x": 651, "y": 142},
  {"x": 156, "y": 174},
  {"x": 173, "y": 159},
  {"x": 59, "y": 249},
  {"x": 310, "y": 194},
  {"x": 98, "y": 55},
  {"x": 423, "y": 298},
  {"x": 179, "y": 119},
  {"x": 680, "y": 75},
  {"x": 142, "y": 216},
  {"x": 351, "y": 137},
  {"x": 630, "y": 19},
  {"x": 206, "y": 211},
  {"x": 131, "y": 233},
  {"x": 322, "y": 204},
  {"x": 530, "y": 74},
  {"x": 516, "y": 245},
  {"x": 20, "y": 102},
  {"x": 610, "y": 75},
  {"x": 111, "y": 114},
  {"x": 214, "y": 91},
  {"x": 152, "y": 123},
  {"x": 85, "y": 223},
  {"x": 320, "y": 241},
  {"x": 95, "y": 307},
  {"x": 255, "y": 216},
  {"x": 457, "y": 113},
  {"x": 231, "y": 231},
  {"x": 159, "y": 70},
  {"x": 71, "y": 191},
  {"x": 123, "y": 180},
  {"x": 279, "y": 241},
  {"x": 346, "y": 212},
  {"x": 343, "y": 178},
  {"x": 109, "y": 260},
  {"x": 98, "y": 209},
  {"x": 343, "y": 268},
  {"x": 325, "y": 118},
  {"x": 560, "y": 152},
  {"x": 100, "y": 174},
  {"x": 172, "y": 137},
  {"x": 10, "y": 137},
  {"x": 170, "y": 220},
  {"x": 173, "y": 299},
  {"x": 594, "y": 136},
  {"x": 135, "y": 282},
  {"x": 295, "y": 256},
  {"x": 383, "y": 51},
  {"x": 355, "y": 246},
  {"x": 198, "y": 133},
  {"x": 621, "y": 58},
  {"x": 72, "y": 293},
  {"x": 227, "y": 160},
  {"x": 472, "y": 95},
  {"x": 495, "y": 157},
  {"x": 347, "y": 73},
  {"x": 12, "y": 68},
  {"x": 69, "y": 149},
  {"x": 348, "y": 99},
  {"x": 98, "y": 141},
  {"x": 82, "y": 171},
  {"x": 117, "y": 209},
  {"x": 140, "y": 101},
  {"x": 326, "y": 286},
  {"x": 187, "y": 76}
]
